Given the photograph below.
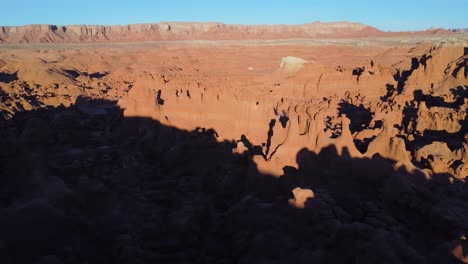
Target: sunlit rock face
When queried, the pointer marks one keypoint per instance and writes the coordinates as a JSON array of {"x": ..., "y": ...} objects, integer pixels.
[{"x": 278, "y": 151}]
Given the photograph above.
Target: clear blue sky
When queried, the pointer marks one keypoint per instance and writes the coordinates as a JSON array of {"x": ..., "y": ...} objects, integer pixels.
[{"x": 385, "y": 15}]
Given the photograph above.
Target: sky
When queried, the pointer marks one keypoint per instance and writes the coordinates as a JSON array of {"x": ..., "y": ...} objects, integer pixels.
[{"x": 394, "y": 15}]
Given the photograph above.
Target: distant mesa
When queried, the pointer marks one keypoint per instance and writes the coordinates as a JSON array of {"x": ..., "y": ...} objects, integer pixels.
[
  {"x": 459, "y": 30},
  {"x": 169, "y": 31}
]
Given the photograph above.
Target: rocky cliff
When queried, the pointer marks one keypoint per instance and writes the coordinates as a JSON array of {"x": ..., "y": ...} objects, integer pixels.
[{"x": 188, "y": 31}]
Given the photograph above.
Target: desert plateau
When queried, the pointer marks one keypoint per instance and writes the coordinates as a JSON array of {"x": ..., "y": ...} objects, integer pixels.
[{"x": 221, "y": 143}]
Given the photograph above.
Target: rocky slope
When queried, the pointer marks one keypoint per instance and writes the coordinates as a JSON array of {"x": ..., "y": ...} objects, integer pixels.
[
  {"x": 189, "y": 31},
  {"x": 326, "y": 153},
  {"x": 84, "y": 183}
]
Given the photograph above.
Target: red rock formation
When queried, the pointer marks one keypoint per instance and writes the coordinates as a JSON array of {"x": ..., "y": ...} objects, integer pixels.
[
  {"x": 367, "y": 100},
  {"x": 164, "y": 152},
  {"x": 300, "y": 197},
  {"x": 189, "y": 31}
]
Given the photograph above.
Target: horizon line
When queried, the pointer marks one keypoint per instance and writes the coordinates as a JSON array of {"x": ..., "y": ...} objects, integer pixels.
[{"x": 238, "y": 24}]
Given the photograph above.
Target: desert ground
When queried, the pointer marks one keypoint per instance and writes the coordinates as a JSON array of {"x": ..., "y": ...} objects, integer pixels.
[{"x": 339, "y": 148}]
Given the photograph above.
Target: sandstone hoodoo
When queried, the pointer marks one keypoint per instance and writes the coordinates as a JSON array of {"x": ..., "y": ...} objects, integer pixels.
[{"x": 315, "y": 143}]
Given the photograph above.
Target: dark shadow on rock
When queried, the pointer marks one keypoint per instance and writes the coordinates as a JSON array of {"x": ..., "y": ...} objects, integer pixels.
[
  {"x": 271, "y": 126},
  {"x": 72, "y": 73},
  {"x": 361, "y": 118},
  {"x": 86, "y": 184},
  {"x": 462, "y": 65},
  {"x": 390, "y": 92},
  {"x": 453, "y": 140},
  {"x": 437, "y": 101},
  {"x": 359, "y": 115},
  {"x": 358, "y": 72},
  {"x": 284, "y": 120},
  {"x": 6, "y": 77},
  {"x": 94, "y": 75},
  {"x": 253, "y": 149},
  {"x": 159, "y": 100},
  {"x": 402, "y": 76},
  {"x": 366, "y": 207},
  {"x": 460, "y": 93},
  {"x": 410, "y": 116}
]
